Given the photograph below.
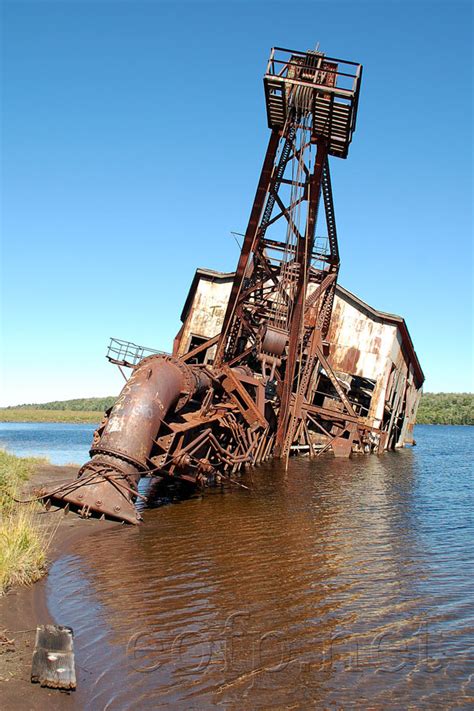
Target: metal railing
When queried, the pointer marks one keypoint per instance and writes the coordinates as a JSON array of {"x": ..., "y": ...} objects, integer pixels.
[
  {"x": 346, "y": 75},
  {"x": 128, "y": 353}
]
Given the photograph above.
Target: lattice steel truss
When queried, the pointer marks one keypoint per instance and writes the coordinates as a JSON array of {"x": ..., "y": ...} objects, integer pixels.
[{"x": 281, "y": 300}]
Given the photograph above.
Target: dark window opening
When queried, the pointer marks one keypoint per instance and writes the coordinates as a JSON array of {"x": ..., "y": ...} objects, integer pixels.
[
  {"x": 195, "y": 342},
  {"x": 360, "y": 393},
  {"x": 358, "y": 390}
]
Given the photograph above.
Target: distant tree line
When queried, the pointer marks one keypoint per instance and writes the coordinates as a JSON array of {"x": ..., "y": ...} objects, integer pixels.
[
  {"x": 435, "y": 408},
  {"x": 98, "y": 404},
  {"x": 446, "y": 409}
]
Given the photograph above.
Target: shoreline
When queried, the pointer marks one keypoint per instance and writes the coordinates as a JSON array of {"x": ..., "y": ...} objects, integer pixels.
[
  {"x": 71, "y": 417},
  {"x": 23, "y": 608},
  {"x": 94, "y": 418},
  {"x": 96, "y": 421}
]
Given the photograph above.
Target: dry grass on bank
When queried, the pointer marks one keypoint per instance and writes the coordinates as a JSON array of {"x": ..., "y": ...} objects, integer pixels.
[{"x": 24, "y": 535}]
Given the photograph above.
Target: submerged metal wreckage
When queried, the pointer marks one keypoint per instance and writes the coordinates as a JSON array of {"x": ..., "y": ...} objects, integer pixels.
[{"x": 275, "y": 358}]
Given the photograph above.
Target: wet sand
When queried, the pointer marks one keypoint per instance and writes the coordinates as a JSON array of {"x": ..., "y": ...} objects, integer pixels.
[{"x": 22, "y": 609}]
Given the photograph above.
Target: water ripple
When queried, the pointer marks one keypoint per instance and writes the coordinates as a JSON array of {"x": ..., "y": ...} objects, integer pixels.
[{"x": 335, "y": 583}]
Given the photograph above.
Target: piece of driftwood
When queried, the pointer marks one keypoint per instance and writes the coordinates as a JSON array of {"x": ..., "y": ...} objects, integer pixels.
[{"x": 53, "y": 658}]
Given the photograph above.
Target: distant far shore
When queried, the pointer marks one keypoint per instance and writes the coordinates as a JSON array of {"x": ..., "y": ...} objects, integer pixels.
[
  {"x": 79, "y": 411},
  {"x": 20, "y": 414},
  {"x": 434, "y": 409},
  {"x": 76, "y": 417}
]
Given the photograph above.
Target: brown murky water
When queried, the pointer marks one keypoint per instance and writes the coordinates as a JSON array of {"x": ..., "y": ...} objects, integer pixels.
[{"x": 339, "y": 584}]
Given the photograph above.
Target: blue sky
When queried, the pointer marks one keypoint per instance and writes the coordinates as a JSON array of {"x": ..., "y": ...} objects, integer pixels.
[{"x": 132, "y": 139}]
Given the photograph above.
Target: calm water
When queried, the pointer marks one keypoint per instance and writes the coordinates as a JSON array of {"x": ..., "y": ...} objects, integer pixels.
[
  {"x": 61, "y": 443},
  {"x": 345, "y": 584}
]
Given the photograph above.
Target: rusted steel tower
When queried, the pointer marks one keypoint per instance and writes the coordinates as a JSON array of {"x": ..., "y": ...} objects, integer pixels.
[
  {"x": 266, "y": 387},
  {"x": 281, "y": 300}
]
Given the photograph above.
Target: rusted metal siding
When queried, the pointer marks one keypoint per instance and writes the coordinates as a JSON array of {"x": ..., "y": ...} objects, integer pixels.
[
  {"x": 373, "y": 348},
  {"x": 363, "y": 343},
  {"x": 206, "y": 312},
  {"x": 359, "y": 345}
]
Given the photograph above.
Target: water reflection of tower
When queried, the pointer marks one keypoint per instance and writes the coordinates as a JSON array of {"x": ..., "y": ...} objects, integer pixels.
[{"x": 368, "y": 509}]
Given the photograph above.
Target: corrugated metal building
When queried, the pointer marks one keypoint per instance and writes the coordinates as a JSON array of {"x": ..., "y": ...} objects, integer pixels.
[{"x": 370, "y": 351}]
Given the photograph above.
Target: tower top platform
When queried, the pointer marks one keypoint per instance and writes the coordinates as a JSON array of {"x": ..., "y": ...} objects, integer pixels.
[{"x": 312, "y": 84}]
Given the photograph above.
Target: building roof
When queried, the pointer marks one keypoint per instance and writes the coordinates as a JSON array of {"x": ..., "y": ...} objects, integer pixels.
[{"x": 383, "y": 316}]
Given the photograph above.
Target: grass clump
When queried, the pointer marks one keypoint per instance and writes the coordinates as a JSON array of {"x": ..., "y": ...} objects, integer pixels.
[
  {"x": 24, "y": 538},
  {"x": 14, "y": 472},
  {"x": 22, "y": 548}
]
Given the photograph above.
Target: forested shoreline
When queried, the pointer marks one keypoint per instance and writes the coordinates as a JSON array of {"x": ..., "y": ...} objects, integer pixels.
[
  {"x": 97, "y": 404},
  {"x": 434, "y": 409},
  {"x": 446, "y": 409}
]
